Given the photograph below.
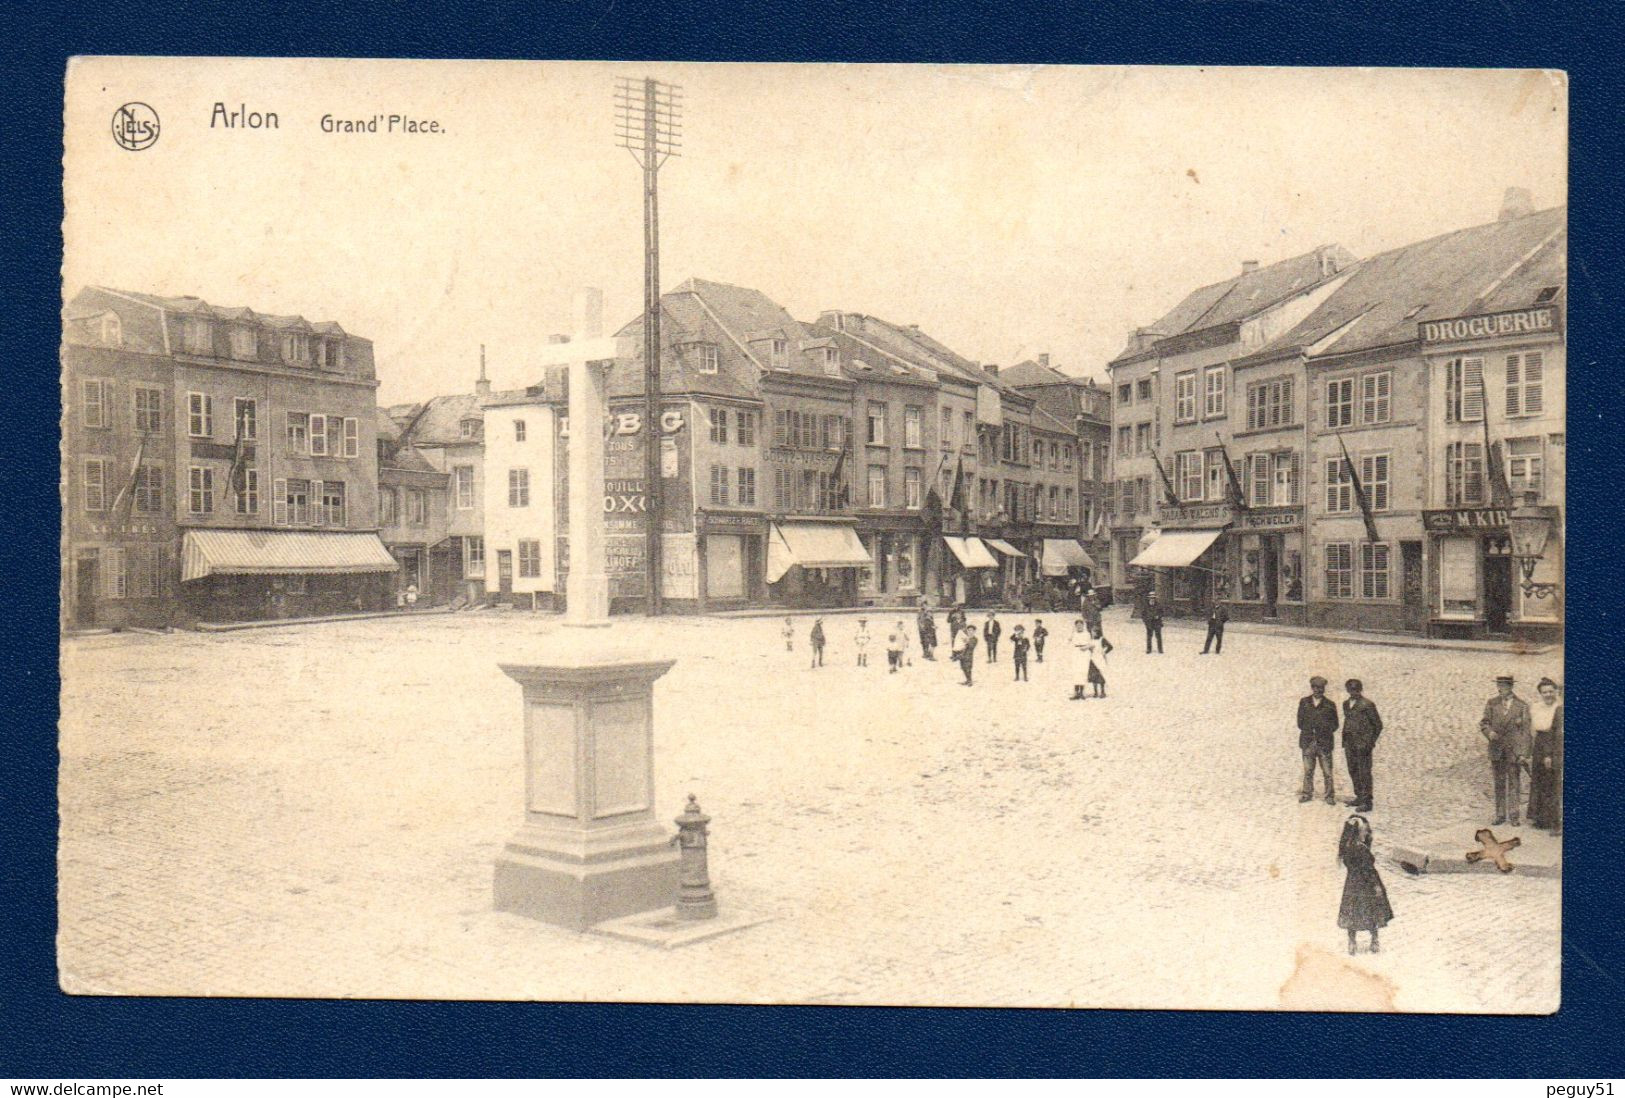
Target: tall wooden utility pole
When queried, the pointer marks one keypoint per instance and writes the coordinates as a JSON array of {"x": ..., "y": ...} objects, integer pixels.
[{"x": 647, "y": 122}]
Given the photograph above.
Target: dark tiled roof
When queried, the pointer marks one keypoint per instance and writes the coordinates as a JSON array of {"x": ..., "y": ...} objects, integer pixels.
[
  {"x": 388, "y": 429},
  {"x": 683, "y": 320},
  {"x": 408, "y": 458},
  {"x": 1045, "y": 419},
  {"x": 441, "y": 422},
  {"x": 1500, "y": 265},
  {"x": 1247, "y": 294},
  {"x": 196, "y": 306}
]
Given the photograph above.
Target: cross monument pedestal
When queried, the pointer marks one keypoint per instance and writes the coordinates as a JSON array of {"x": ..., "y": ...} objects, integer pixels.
[{"x": 590, "y": 847}]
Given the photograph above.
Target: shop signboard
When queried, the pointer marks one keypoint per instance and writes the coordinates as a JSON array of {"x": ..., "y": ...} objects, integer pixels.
[
  {"x": 1538, "y": 320},
  {"x": 1196, "y": 514},
  {"x": 1269, "y": 520},
  {"x": 1464, "y": 519}
]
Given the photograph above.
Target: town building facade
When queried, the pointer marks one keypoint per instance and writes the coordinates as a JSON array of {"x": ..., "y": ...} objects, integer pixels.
[
  {"x": 1426, "y": 418},
  {"x": 219, "y": 464},
  {"x": 412, "y": 521},
  {"x": 1195, "y": 447}
]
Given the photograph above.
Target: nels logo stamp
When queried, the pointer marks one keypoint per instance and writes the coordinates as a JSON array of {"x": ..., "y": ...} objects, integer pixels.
[{"x": 135, "y": 126}]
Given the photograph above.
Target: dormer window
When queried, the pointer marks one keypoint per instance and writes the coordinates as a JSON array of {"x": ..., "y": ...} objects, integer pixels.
[
  {"x": 295, "y": 348},
  {"x": 112, "y": 332},
  {"x": 244, "y": 342},
  {"x": 832, "y": 361},
  {"x": 702, "y": 356},
  {"x": 196, "y": 337},
  {"x": 779, "y": 350},
  {"x": 332, "y": 354},
  {"x": 469, "y": 428}
]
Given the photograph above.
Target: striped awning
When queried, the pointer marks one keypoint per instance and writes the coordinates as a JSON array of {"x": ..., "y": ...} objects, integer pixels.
[
  {"x": 970, "y": 552},
  {"x": 282, "y": 552},
  {"x": 1063, "y": 553},
  {"x": 1176, "y": 548},
  {"x": 813, "y": 545}
]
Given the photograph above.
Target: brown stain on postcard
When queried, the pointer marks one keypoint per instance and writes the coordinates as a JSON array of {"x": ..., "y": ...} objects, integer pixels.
[{"x": 1321, "y": 980}]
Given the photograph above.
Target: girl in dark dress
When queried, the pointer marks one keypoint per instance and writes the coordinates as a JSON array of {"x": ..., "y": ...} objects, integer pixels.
[
  {"x": 1546, "y": 761},
  {"x": 1365, "y": 900}
]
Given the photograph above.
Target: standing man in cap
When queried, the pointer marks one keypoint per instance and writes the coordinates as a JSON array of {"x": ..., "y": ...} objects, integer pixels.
[
  {"x": 1153, "y": 622},
  {"x": 1506, "y": 726},
  {"x": 1362, "y": 724},
  {"x": 1317, "y": 733}
]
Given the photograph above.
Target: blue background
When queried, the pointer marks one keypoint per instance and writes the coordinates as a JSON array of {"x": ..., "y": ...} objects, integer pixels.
[{"x": 44, "y": 1034}]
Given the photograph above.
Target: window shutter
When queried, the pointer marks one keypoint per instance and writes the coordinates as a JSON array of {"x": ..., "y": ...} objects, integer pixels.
[
  {"x": 279, "y": 502},
  {"x": 1472, "y": 390},
  {"x": 1297, "y": 475},
  {"x": 352, "y": 437},
  {"x": 318, "y": 434},
  {"x": 317, "y": 517},
  {"x": 1514, "y": 395},
  {"x": 1534, "y": 369}
]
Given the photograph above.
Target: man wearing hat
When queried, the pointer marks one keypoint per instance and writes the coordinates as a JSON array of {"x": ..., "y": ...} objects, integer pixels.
[
  {"x": 1362, "y": 724},
  {"x": 1506, "y": 727},
  {"x": 1317, "y": 732}
]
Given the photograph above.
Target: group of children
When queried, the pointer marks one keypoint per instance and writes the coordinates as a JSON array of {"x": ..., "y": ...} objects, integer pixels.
[
  {"x": 897, "y": 646},
  {"x": 1088, "y": 642}
]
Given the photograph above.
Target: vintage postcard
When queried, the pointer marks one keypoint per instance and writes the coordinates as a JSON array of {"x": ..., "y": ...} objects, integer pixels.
[{"x": 835, "y": 534}]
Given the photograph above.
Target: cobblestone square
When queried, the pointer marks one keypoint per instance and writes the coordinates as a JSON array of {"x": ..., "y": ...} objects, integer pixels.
[{"x": 314, "y": 811}]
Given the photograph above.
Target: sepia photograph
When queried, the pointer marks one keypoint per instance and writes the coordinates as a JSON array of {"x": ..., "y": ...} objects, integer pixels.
[{"x": 831, "y": 534}]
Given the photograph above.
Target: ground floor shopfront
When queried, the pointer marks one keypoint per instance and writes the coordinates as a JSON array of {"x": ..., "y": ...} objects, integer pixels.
[
  {"x": 433, "y": 572},
  {"x": 730, "y": 562},
  {"x": 258, "y": 575},
  {"x": 1475, "y": 585},
  {"x": 145, "y": 579}
]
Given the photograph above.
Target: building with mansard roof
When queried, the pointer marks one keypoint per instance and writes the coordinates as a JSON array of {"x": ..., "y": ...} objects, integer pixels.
[{"x": 218, "y": 464}]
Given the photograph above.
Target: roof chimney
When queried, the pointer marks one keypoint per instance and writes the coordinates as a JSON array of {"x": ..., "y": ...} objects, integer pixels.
[
  {"x": 557, "y": 338},
  {"x": 1043, "y": 359},
  {"x": 1248, "y": 266},
  {"x": 1516, "y": 203},
  {"x": 482, "y": 387},
  {"x": 989, "y": 368}
]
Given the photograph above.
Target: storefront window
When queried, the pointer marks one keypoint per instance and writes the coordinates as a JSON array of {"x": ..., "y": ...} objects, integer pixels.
[
  {"x": 1292, "y": 575},
  {"x": 908, "y": 564},
  {"x": 1251, "y": 563},
  {"x": 1458, "y": 577},
  {"x": 866, "y": 575}
]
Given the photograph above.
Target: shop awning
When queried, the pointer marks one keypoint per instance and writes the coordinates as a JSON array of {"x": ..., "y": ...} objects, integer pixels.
[
  {"x": 970, "y": 552},
  {"x": 1176, "y": 548},
  {"x": 813, "y": 545},
  {"x": 1005, "y": 547},
  {"x": 282, "y": 552},
  {"x": 1063, "y": 553}
]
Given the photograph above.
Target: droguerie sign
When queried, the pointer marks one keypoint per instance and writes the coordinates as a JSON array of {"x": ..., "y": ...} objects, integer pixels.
[{"x": 1536, "y": 321}]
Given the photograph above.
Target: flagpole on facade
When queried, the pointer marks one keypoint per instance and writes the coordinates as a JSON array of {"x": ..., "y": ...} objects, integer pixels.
[{"x": 1359, "y": 493}]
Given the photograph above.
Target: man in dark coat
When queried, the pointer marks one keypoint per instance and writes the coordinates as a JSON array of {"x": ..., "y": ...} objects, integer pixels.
[
  {"x": 1362, "y": 724},
  {"x": 1506, "y": 726},
  {"x": 928, "y": 632},
  {"x": 1317, "y": 733},
  {"x": 991, "y": 630},
  {"x": 1153, "y": 623},
  {"x": 1216, "y": 619}
]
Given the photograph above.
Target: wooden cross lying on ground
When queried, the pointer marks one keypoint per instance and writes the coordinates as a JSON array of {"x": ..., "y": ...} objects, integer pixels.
[{"x": 1493, "y": 849}]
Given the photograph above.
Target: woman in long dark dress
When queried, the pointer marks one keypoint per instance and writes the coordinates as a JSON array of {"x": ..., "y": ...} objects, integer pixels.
[
  {"x": 1365, "y": 900},
  {"x": 1546, "y": 761}
]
